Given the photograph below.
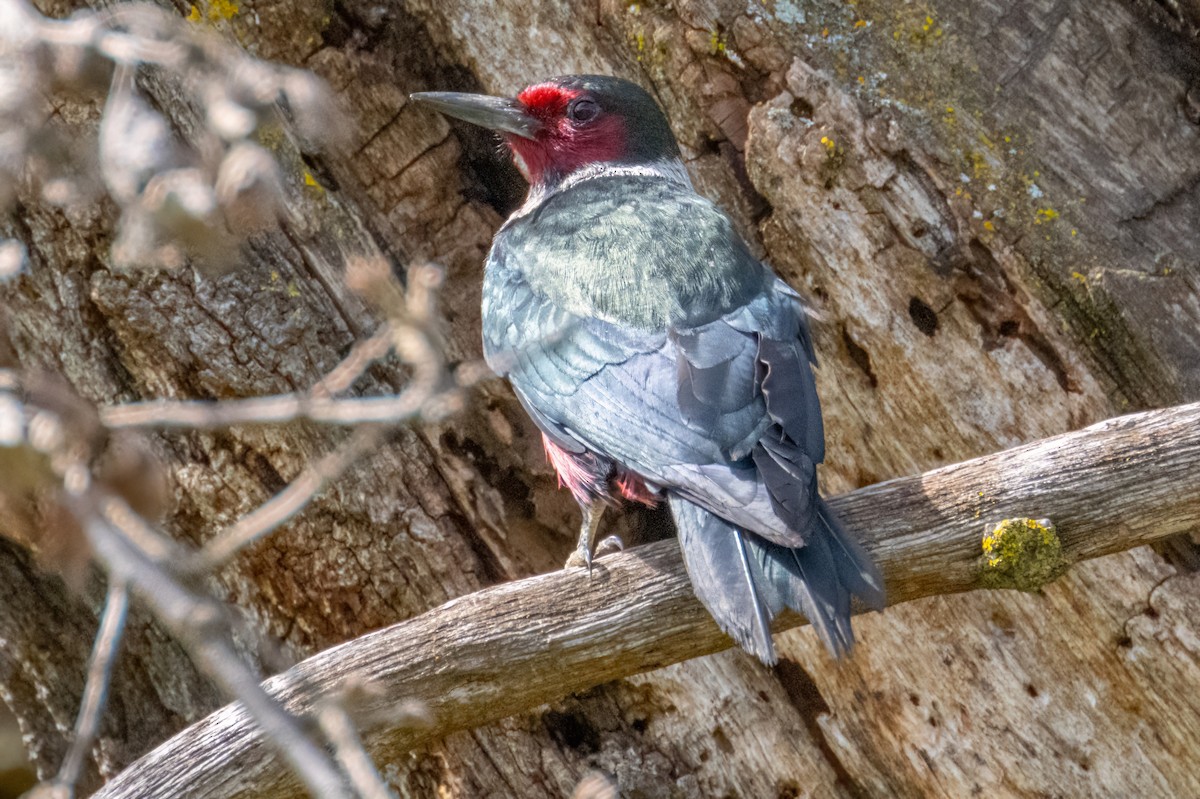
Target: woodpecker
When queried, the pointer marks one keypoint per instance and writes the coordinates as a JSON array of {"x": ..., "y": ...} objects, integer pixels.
[{"x": 660, "y": 359}]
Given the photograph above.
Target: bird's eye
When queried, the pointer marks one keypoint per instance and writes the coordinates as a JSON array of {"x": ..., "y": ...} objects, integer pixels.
[{"x": 583, "y": 110}]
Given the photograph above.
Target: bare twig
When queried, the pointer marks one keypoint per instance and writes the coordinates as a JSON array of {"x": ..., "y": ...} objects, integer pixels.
[
  {"x": 352, "y": 367},
  {"x": 425, "y": 394},
  {"x": 195, "y": 620},
  {"x": 190, "y": 201},
  {"x": 340, "y": 730},
  {"x": 1110, "y": 487},
  {"x": 412, "y": 334},
  {"x": 287, "y": 503},
  {"x": 276, "y": 409},
  {"x": 149, "y": 541},
  {"x": 95, "y": 692}
]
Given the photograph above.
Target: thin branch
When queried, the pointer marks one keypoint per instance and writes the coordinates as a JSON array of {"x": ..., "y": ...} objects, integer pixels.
[
  {"x": 287, "y": 503},
  {"x": 275, "y": 409},
  {"x": 352, "y": 367},
  {"x": 479, "y": 658},
  {"x": 339, "y": 728},
  {"x": 318, "y": 404},
  {"x": 412, "y": 334},
  {"x": 139, "y": 558},
  {"x": 95, "y": 692},
  {"x": 195, "y": 620},
  {"x": 141, "y": 534}
]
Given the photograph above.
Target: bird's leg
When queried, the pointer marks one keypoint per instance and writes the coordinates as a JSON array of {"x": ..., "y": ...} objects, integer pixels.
[{"x": 582, "y": 556}]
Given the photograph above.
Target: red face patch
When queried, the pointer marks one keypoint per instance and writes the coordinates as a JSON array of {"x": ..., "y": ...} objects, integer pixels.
[
  {"x": 546, "y": 101},
  {"x": 563, "y": 144}
]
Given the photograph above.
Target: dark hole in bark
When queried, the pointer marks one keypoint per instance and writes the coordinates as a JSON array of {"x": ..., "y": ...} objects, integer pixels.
[
  {"x": 924, "y": 317},
  {"x": 802, "y": 108},
  {"x": 861, "y": 358},
  {"x": 572, "y": 730}
]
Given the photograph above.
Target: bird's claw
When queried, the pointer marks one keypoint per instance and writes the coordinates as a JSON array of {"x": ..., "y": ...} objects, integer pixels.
[
  {"x": 583, "y": 556},
  {"x": 610, "y": 546}
]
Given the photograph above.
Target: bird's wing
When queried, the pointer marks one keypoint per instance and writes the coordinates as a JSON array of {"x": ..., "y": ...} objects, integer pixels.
[{"x": 725, "y": 414}]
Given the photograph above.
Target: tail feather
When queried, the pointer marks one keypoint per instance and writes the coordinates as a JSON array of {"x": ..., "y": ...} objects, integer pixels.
[
  {"x": 857, "y": 572},
  {"x": 810, "y": 583},
  {"x": 745, "y": 580},
  {"x": 726, "y": 577}
]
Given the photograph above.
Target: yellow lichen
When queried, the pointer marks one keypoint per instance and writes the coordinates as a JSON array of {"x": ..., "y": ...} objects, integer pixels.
[
  {"x": 215, "y": 11},
  {"x": 989, "y": 226},
  {"x": 312, "y": 183},
  {"x": 923, "y": 34},
  {"x": 223, "y": 9},
  {"x": 716, "y": 43},
  {"x": 1024, "y": 554},
  {"x": 1045, "y": 215},
  {"x": 981, "y": 168},
  {"x": 830, "y": 145}
]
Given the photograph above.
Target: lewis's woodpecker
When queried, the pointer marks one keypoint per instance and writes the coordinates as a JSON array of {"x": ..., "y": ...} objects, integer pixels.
[{"x": 660, "y": 358}]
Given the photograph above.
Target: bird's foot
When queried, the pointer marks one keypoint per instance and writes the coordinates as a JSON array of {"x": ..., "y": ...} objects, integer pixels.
[{"x": 581, "y": 557}]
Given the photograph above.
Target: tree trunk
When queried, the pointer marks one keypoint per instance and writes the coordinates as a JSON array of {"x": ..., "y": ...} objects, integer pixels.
[{"x": 992, "y": 207}]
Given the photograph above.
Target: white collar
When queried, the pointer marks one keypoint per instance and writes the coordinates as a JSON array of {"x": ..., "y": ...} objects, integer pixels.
[{"x": 671, "y": 169}]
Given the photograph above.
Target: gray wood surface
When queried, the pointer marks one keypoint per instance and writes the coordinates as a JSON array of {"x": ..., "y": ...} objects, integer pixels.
[{"x": 1123, "y": 483}]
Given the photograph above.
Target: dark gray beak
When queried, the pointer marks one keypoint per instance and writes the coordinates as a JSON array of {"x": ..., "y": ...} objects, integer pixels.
[{"x": 494, "y": 113}]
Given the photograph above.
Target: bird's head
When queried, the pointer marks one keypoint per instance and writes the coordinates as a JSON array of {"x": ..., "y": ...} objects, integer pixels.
[{"x": 565, "y": 124}]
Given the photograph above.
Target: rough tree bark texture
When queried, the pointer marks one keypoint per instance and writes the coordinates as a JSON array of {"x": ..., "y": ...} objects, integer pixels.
[{"x": 993, "y": 207}]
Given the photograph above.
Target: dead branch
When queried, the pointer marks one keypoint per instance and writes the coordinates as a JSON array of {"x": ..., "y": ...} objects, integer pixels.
[
  {"x": 95, "y": 692},
  {"x": 1113, "y": 486},
  {"x": 195, "y": 619}
]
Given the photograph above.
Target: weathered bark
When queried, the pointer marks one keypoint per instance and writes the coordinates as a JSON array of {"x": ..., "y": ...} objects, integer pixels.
[
  {"x": 507, "y": 649},
  {"x": 855, "y": 157}
]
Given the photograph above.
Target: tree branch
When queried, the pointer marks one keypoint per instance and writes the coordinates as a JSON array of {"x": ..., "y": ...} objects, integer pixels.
[{"x": 1116, "y": 485}]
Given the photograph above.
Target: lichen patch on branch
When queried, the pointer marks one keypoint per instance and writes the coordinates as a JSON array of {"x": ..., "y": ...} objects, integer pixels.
[{"x": 1024, "y": 554}]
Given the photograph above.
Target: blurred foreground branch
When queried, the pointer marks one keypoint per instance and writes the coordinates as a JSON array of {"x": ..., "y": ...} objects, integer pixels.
[
  {"x": 80, "y": 482},
  {"x": 1113, "y": 486},
  {"x": 56, "y": 445}
]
